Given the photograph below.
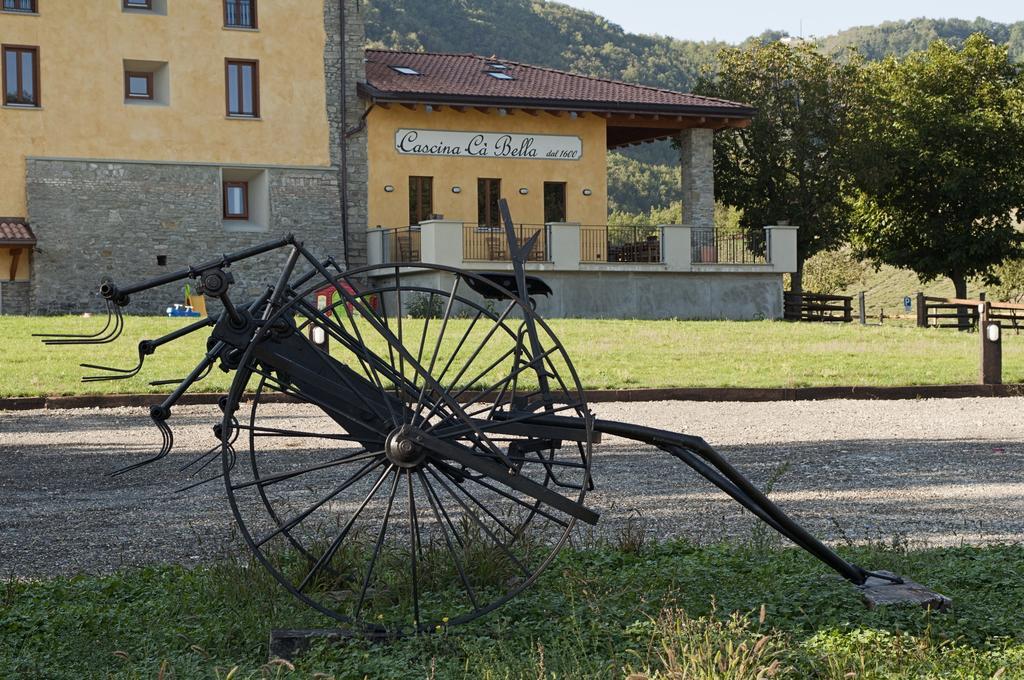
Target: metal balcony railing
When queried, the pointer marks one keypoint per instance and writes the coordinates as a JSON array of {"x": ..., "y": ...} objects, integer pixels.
[
  {"x": 602, "y": 243},
  {"x": 489, "y": 244},
  {"x": 401, "y": 245},
  {"x": 712, "y": 246}
]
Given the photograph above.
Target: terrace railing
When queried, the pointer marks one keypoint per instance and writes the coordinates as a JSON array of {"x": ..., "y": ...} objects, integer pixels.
[
  {"x": 713, "y": 246},
  {"x": 600, "y": 243},
  {"x": 399, "y": 245},
  {"x": 489, "y": 244}
]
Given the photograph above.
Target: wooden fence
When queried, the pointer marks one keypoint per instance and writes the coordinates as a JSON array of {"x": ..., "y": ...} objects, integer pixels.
[
  {"x": 817, "y": 307},
  {"x": 938, "y": 312}
]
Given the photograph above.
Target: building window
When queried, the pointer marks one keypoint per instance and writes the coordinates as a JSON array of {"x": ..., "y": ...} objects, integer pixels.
[
  {"x": 243, "y": 88},
  {"x": 236, "y": 200},
  {"x": 138, "y": 85},
  {"x": 137, "y": 4},
  {"x": 421, "y": 199},
  {"x": 21, "y": 75},
  {"x": 240, "y": 13},
  {"x": 554, "y": 202},
  {"x": 28, "y": 6},
  {"x": 487, "y": 197}
]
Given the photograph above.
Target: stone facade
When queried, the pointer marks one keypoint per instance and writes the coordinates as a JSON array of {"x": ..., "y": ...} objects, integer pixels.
[
  {"x": 104, "y": 220},
  {"x": 15, "y": 297},
  {"x": 698, "y": 170}
]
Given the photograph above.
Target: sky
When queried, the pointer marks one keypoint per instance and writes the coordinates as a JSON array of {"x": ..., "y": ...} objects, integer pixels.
[{"x": 739, "y": 19}]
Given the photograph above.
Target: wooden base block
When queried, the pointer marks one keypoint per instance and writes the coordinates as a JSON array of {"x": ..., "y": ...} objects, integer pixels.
[{"x": 878, "y": 592}]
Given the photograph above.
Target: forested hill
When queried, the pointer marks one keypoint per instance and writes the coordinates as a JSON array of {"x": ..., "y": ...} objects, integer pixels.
[
  {"x": 556, "y": 35},
  {"x": 542, "y": 33}
]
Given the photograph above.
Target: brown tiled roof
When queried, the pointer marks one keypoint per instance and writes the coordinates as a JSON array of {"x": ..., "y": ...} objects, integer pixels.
[
  {"x": 16, "y": 232},
  {"x": 463, "y": 78}
]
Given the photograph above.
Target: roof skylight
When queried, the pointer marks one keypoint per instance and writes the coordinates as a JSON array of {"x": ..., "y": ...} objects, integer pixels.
[
  {"x": 499, "y": 75},
  {"x": 406, "y": 70}
]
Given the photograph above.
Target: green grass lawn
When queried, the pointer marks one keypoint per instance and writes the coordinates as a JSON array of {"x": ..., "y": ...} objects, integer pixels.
[
  {"x": 607, "y": 355},
  {"x": 669, "y": 610}
]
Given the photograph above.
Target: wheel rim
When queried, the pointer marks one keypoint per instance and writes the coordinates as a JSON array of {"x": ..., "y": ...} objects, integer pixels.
[{"x": 376, "y": 533}]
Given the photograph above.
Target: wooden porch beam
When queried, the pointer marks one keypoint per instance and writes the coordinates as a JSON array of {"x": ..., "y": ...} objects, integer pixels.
[{"x": 15, "y": 256}]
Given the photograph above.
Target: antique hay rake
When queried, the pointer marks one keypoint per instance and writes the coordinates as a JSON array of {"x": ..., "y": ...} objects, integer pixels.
[{"x": 427, "y": 469}]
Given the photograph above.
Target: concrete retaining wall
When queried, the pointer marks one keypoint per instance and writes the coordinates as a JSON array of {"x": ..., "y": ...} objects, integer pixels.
[{"x": 640, "y": 295}]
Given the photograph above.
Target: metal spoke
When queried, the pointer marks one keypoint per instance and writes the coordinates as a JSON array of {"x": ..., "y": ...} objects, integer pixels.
[
  {"x": 532, "y": 508},
  {"x": 431, "y": 499},
  {"x": 339, "y": 539},
  {"x": 352, "y": 458},
  {"x": 281, "y": 432},
  {"x": 414, "y": 548},
  {"x": 437, "y": 345},
  {"x": 295, "y": 521},
  {"x": 480, "y": 523},
  {"x": 380, "y": 543},
  {"x": 483, "y": 343}
]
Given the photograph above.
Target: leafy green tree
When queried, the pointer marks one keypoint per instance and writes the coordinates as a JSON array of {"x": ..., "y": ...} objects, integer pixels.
[
  {"x": 940, "y": 161},
  {"x": 831, "y": 271},
  {"x": 788, "y": 165},
  {"x": 1011, "y": 281}
]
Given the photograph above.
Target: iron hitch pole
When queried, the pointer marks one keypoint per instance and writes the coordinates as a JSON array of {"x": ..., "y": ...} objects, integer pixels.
[{"x": 112, "y": 292}]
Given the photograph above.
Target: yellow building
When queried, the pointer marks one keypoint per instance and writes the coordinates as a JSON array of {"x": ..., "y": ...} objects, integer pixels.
[
  {"x": 448, "y": 133},
  {"x": 451, "y": 134},
  {"x": 136, "y": 134}
]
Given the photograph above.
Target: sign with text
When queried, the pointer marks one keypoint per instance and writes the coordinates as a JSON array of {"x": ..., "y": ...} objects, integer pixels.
[{"x": 488, "y": 145}]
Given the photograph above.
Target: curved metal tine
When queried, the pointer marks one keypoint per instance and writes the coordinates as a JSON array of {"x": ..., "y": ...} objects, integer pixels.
[
  {"x": 177, "y": 381},
  {"x": 219, "y": 475},
  {"x": 73, "y": 335},
  {"x": 211, "y": 453},
  {"x": 165, "y": 448},
  {"x": 125, "y": 373},
  {"x": 111, "y": 335}
]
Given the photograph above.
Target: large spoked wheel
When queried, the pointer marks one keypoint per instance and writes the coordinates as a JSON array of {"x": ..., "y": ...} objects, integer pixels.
[{"x": 414, "y": 494}]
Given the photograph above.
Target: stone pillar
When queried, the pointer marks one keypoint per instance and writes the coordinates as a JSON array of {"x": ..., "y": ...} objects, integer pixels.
[
  {"x": 698, "y": 170},
  {"x": 676, "y": 250},
  {"x": 782, "y": 248},
  {"x": 441, "y": 243},
  {"x": 342, "y": 95},
  {"x": 565, "y": 245}
]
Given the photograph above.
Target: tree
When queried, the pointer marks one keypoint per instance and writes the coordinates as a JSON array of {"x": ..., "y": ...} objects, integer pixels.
[
  {"x": 1011, "y": 282},
  {"x": 940, "y": 162},
  {"x": 832, "y": 271},
  {"x": 788, "y": 165}
]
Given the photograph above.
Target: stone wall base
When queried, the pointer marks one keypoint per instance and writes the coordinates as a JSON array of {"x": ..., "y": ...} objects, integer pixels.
[
  {"x": 14, "y": 297},
  {"x": 98, "y": 221}
]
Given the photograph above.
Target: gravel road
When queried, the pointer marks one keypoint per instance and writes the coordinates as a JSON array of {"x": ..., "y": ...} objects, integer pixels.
[{"x": 932, "y": 472}]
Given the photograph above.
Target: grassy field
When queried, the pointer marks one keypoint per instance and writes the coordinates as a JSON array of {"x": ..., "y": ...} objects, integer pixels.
[
  {"x": 607, "y": 355},
  {"x": 614, "y": 611}
]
